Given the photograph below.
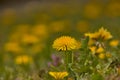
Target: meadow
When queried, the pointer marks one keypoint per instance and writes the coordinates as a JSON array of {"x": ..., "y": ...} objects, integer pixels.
[{"x": 66, "y": 40}]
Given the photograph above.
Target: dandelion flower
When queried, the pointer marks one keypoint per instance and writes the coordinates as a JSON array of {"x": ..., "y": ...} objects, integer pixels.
[
  {"x": 114, "y": 43},
  {"x": 101, "y": 55},
  {"x": 100, "y": 49},
  {"x": 24, "y": 59},
  {"x": 93, "y": 49},
  {"x": 66, "y": 43},
  {"x": 13, "y": 47},
  {"x": 40, "y": 30},
  {"x": 102, "y": 34},
  {"x": 29, "y": 39},
  {"x": 58, "y": 75},
  {"x": 96, "y": 50}
]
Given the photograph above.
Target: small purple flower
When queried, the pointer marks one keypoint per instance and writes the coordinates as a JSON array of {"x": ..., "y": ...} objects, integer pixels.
[{"x": 56, "y": 60}]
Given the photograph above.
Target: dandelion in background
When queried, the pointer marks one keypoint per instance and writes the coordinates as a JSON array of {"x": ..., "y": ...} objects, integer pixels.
[
  {"x": 101, "y": 55},
  {"x": 114, "y": 43},
  {"x": 24, "y": 59},
  {"x": 92, "y": 10},
  {"x": 29, "y": 39},
  {"x": 82, "y": 26},
  {"x": 13, "y": 47},
  {"x": 40, "y": 30},
  {"x": 102, "y": 34},
  {"x": 65, "y": 43},
  {"x": 100, "y": 52},
  {"x": 58, "y": 75},
  {"x": 96, "y": 50},
  {"x": 60, "y": 26}
]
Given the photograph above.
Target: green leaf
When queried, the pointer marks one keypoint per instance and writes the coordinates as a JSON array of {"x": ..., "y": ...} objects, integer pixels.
[
  {"x": 85, "y": 43},
  {"x": 97, "y": 76}
]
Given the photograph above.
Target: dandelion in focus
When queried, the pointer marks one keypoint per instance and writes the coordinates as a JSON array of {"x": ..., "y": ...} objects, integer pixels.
[
  {"x": 58, "y": 75},
  {"x": 65, "y": 43}
]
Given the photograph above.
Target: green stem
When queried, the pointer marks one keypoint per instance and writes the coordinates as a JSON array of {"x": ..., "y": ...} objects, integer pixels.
[{"x": 68, "y": 59}]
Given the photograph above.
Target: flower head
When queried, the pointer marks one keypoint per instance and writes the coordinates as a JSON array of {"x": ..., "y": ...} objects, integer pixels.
[
  {"x": 24, "y": 59},
  {"x": 114, "y": 43},
  {"x": 13, "y": 47},
  {"x": 29, "y": 39},
  {"x": 96, "y": 50},
  {"x": 101, "y": 55},
  {"x": 105, "y": 35},
  {"x": 66, "y": 43},
  {"x": 58, "y": 75},
  {"x": 102, "y": 34}
]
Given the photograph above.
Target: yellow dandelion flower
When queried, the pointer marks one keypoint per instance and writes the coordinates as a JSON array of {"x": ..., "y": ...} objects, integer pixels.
[
  {"x": 93, "y": 49},
  {"x": 12, "y": 47},
  {"x": 101, "y": 55},
  {"x": 102, "y": 34},
  {"x": 105, "y": 35},
  {"x": 92, "y": 37},
  {"x": 24, "y": 59},
  {"x": 58, "y": 75},
  {"x": 40, "y": 30},
  {"x": 65, "y": 43},
  {"x": 29, "y": 39},
  {"x": 100, "y": 50},
  {"x": 114, "y": 43}
]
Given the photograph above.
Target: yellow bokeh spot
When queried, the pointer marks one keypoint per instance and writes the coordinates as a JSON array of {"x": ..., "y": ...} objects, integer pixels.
[
  {"x": 114, "y": 43},
  {"x": 82, "y": 26},
  {"x": 92, "y": 11},
  {"x": 24, "y": 59},
  {"x": 40, "y": 30},
  {"x": 29, "y": 39},
  {"x": 12, "y": 47},
  {"x": 101, "y": 56},
  {"x": 100, "y": 50}
]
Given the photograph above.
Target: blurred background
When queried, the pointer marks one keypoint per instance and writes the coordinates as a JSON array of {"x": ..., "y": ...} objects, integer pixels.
[{"x": 28, "y": 27}]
